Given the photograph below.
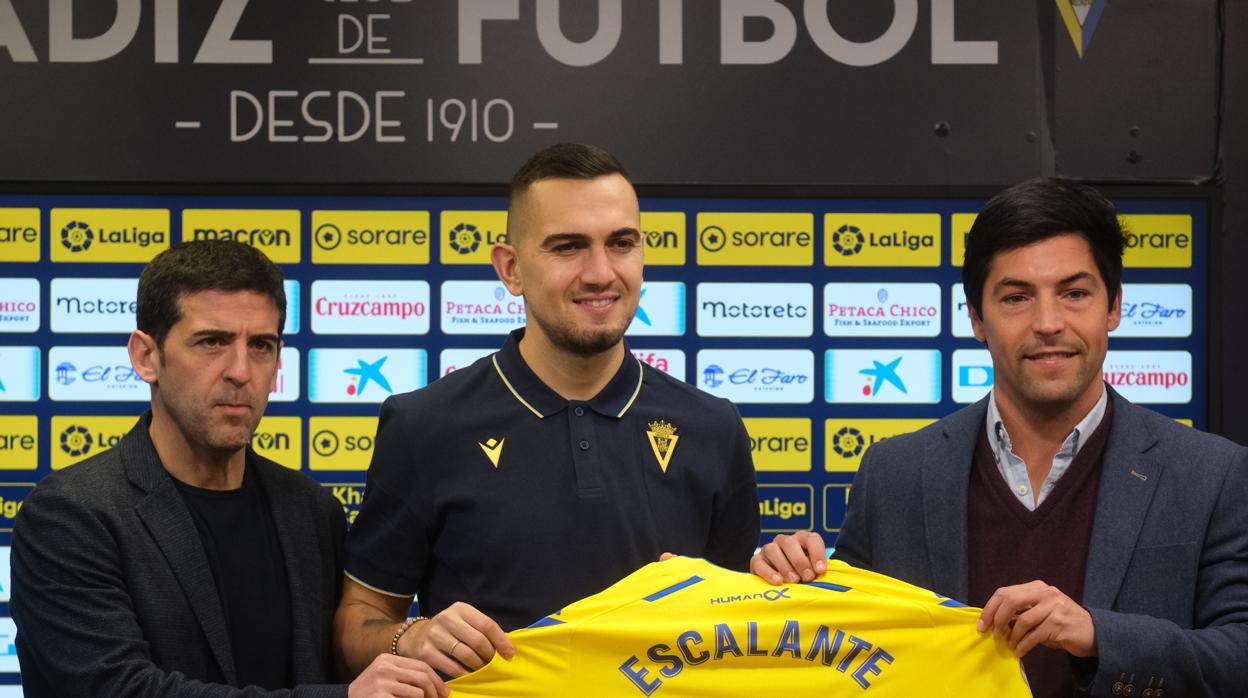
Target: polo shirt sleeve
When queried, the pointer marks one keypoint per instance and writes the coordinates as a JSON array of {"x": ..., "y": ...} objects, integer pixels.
[
  {"x": 388, "y": 545},
  {"x": 735, "y": 527}
]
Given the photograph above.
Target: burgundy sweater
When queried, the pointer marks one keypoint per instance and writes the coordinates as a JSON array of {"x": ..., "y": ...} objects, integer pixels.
[{"x": 1009, "y": 544}]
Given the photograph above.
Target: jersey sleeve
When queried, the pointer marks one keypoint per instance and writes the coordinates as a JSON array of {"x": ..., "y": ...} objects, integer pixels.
[
  {"x": 388, "y": 546},
  {"x": 735, "y": 527}
]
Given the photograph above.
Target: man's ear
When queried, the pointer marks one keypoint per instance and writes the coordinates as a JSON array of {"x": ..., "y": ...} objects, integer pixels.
[
  {"x": 1115, "y": 310},
  {"x": 144, "y": 356},
  {"x": 977, "y": 323},
  {"x": 503, "y": 256}
]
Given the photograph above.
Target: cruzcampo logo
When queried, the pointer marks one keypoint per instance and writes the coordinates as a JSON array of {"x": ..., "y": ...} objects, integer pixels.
[
  {"x": 493, "y": 449},
  {"x": 663, "y": 440},
  {"x": 1081, "y": 18}
]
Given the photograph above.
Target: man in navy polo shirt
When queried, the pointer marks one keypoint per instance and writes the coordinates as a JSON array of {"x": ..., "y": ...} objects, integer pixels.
[{"x": 553, "y": 468}]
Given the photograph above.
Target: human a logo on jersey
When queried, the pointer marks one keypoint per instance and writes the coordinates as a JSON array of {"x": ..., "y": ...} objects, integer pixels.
[
  {"x": 848, "y": 240},
  {"x": 663, "y": 440},
  {"x": 848, "y": 442},
  {"x": 76, "y": 440},
  {"x": 493, "y": 449},
  {"x": 465, "y": 238},
  {"x": 76, "y": 236}
]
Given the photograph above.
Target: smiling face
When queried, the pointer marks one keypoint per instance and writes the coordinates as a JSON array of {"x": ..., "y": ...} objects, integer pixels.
[
  {"x": 211, "y": 378},
  {"x": 576, "y": 256},
  {"x": 1046, "y": 318}
]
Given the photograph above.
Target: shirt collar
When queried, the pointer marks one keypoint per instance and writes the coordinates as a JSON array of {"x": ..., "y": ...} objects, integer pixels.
[
  {"x": 612, "y": 401},
  {"x": 1074, "y": 441}
]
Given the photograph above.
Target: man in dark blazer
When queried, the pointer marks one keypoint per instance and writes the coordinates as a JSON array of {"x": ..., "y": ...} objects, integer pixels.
[
  {"x": 1054, "y": 487},
  {"x": 180, "y": 562}
]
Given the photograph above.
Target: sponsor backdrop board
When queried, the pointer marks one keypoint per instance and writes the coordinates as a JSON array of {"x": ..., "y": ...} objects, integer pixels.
[{"x": 833, "y": 323}]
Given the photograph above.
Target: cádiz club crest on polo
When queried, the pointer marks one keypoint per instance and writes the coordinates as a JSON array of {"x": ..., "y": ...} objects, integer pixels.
[{"x": 663, "y": 440}]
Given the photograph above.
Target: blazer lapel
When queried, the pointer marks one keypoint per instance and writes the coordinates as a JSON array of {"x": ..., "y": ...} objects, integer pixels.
[
  {"x": 1128, "y": 479},
  {"x": 167, "y": 520},
  {"x": 292, "y": 516},
  {"x": 946, "y": 478}
]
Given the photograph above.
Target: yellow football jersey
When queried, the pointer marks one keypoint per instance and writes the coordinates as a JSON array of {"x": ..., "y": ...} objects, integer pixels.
[{"x": 685, "y": 627}]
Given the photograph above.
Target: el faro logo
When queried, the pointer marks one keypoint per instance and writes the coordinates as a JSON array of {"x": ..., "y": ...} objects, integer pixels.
[
  {"x": 275, "y": 233},
  {"x": 881, "y": 239},
  {"x": 370, "y": 237},
  {"x": 468, "y": 236},
  {"x": 108, "y": 234},
  {"x": 756, "y": 239}
]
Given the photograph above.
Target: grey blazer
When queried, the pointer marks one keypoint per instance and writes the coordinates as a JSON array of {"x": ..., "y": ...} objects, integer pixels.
[
  {"x": 1167, "y": 575},
  {"x": 113, "y": 596}
]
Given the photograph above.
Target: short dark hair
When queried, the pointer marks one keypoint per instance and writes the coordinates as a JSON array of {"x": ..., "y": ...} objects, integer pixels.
[
  {"x": 203, "y": 265},
  {"x": 564, "y": 161},
  {"x": 1036, "y": 210}
]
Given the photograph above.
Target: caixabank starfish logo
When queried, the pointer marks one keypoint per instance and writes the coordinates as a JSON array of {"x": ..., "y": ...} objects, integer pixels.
[{"x": 1081, "y": 18}]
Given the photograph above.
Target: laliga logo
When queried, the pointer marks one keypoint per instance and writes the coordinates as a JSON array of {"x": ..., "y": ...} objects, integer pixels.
[
  {"x": 465, "y": 238},
  {"x": 848, "y": 442},
  {"x": 76, "y": 236},
  {"x": 76, "y": 440},
  {"x": 848, "y": 240}
]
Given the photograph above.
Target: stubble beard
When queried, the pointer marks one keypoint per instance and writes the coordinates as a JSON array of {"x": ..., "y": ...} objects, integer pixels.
[{"x": 566, "y": 337}]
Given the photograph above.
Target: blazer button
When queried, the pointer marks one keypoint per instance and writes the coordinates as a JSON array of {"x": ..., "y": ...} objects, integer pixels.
[
  {"x": 1128, "y": 690},
  {"x": 584, "y": 445},
  {"x": 1116, "y": 689}
]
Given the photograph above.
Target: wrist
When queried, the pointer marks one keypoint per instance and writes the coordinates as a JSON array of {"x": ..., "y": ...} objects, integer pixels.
[{"x": 402, "y": 630}]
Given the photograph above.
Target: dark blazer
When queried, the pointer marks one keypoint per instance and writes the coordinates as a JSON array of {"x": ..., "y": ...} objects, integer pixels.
[
  {"x": 1167, "y": 574},
  {"x": 113, "y": 596}
]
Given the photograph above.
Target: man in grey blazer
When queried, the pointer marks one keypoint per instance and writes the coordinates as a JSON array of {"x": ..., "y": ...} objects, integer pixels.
[
  {"x": 180, "y": 562},
  {"x": 1107, "y": 544}
]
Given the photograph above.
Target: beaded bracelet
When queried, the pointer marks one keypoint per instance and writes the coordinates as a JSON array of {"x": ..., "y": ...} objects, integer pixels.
[{"x": 394, "y": 642}]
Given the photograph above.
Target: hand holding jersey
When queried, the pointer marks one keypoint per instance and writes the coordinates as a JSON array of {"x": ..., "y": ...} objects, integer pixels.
[
  {"x": 685, "y": 627},
  {"x": 1038, "y": 614},
  {"x": 1024, "y": 615},
  {"x": 456, "y": 641},
  {"x": 799, "y": 557}
]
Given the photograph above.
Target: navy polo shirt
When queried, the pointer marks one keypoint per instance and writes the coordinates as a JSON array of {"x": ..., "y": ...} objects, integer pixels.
[{"x": 489, "y": 488}]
